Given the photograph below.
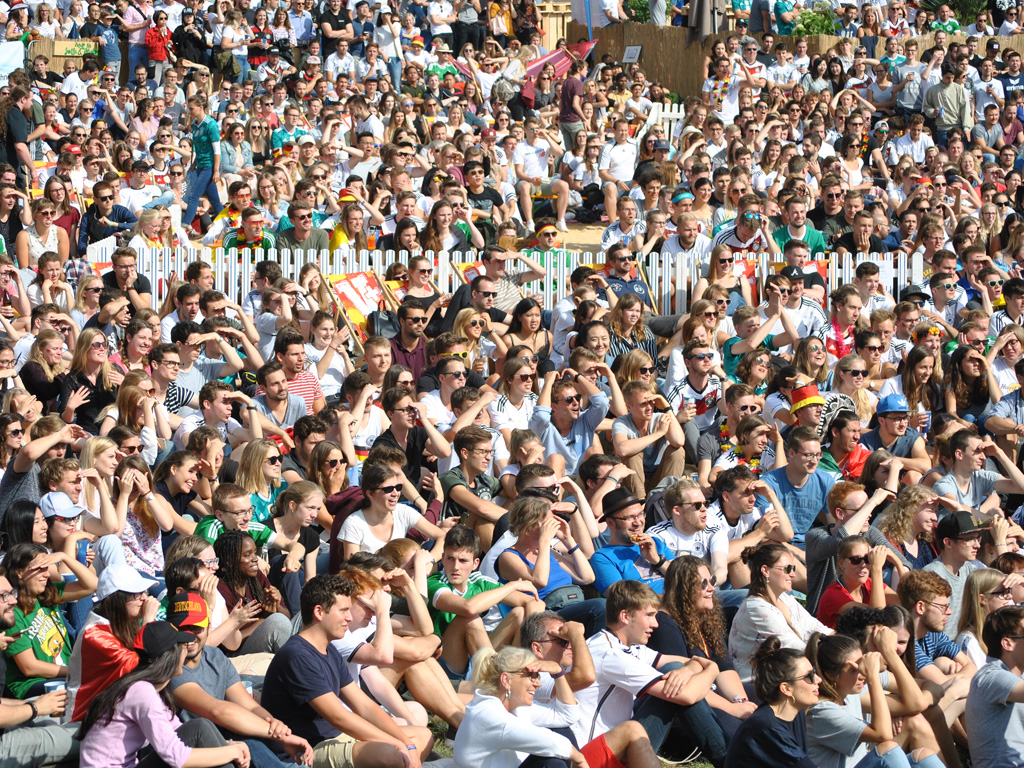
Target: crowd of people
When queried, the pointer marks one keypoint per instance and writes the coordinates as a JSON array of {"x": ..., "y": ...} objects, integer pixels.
[{"x": 240, "y": 530}]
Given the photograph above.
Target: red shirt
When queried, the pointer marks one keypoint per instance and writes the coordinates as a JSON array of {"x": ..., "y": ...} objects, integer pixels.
[
  {"x": 835, "y": 597},
  {"x": 104, "y": 661}
]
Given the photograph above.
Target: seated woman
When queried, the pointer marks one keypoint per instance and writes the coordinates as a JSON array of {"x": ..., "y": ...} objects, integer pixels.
[
  {"x": 242, "y": 581},
  {"x": 43, "y": 374},
  {"x": 381, "y": 518},
  {"x": 775, "y": 736},
  {"x": 753, "y": 435},
  {"x": 910, "y": 523},
  {"x": 769, "y": 609},
  {"x": 691, "y": 623},
  {"x": 838, "y": 731},
  {"x": 970, "y": 387},
  {"x": 536, "y": 558},
  {"x": 42, "y": 646},
  {"x": 859, "y": 579},
  {"x": 133, "y": 712},
  {"x": 986, "y": 590},
  {"x": 103, "y": 652}
]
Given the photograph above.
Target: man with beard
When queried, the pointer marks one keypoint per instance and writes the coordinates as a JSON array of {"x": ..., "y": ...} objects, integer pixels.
[
  {"x": 687, "y": 531},
  {"x": 43, "y": 745},
  {"x": 688, "y": 242},
  {"x": 276, "y": 403},
  {"x": 209, "y": 686}
]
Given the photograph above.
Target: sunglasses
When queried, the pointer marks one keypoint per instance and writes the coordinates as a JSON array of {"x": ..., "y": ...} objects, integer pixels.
[
  {"x": 570, "y": 399},
  {"x": 712, "y": 582},
  {"x": 130, "y": 449},
  {"x": 488, "y": 294},
  {"x": 525, "y": 377},
  {"x": 858, "y": 372},
  {"x": 386, "y": 489},
  {"x": 417, "y": 320},
  {"x": 862, "y": 560},
  {"x": 105, "y": 198},
  {"x": 702, "y": 356},
  {"x": 477, "y": 323},
  {"x": 275, "y": 459},
  {"x": 786, "y": 568},
  {"x": 98, "y": 345},
  {"x": 646, "y": 369}
]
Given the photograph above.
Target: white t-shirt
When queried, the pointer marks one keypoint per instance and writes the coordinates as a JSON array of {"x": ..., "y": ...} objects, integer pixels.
[
  {"x": 440, "y": 8},
  {"x": 702, "y": 544},
  {"x": 533, "y": 158},
  {"x": 505, "y": 415},
  {"x": 356, "y": 530}
]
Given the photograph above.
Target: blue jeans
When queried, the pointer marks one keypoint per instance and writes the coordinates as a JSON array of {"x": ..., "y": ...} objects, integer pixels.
[
  {"x": 243, "y": 62},
  {"x": 896, "y": 758},
  {"x": 200, "y": 182},
  {"x": 165, "y": 200},
  {"x": 262, "y": 756},
  {"x": 290, "y": 584},
  {"x": 589, "y": 613},
  {"x": 395, "y": 71},
  {"x": 137, "y": 54},
  {"x": 657, "y": 715}
]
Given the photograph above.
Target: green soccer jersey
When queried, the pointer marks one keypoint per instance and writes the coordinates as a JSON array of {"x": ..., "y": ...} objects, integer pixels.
[
  {"x": 477, "y": 584},
  {"x": 210, "y": 528},
  {"x": 43, "y": 632}
]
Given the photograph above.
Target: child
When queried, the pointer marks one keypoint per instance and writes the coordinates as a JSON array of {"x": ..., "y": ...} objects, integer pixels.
[{"x": 462, "y": 604}]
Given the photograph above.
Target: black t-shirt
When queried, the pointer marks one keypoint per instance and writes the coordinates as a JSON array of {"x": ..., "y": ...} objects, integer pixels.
[
  {"x": 415, "y": 461},
  {"x": 17, "y": 133},
  {"x": 846, "y": 241},
  {"x": 298, "y": 674},
  {"x": 338, "y": 21},
  {"x": 668, "y": 640},
  {"x": 180, "y": 502},
  {"x": 485, "y": 200},
  {"x": 142, "y": 285},
  {"x": 768, "y": 742}
]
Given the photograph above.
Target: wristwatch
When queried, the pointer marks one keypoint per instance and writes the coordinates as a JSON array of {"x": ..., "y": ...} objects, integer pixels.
[{"x": 661, "y": 562}]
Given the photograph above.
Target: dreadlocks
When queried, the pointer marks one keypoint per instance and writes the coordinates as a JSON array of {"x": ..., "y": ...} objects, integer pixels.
[{"x": 229, "y": 551}]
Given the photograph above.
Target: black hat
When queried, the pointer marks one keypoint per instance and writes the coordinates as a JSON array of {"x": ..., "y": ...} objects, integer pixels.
[
  {"x": 913, "y": 290},
  {"x": 274, "y": 50},
  {"x": 793, "y": 273},
  {"x": 959, "y": 524},
  {"x": 141, "y": 165},
  {"x": 158, "y": 637},
  {"x": 616, "y": 501}
]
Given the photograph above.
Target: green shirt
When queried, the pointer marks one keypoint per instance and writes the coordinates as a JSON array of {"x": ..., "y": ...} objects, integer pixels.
[
  {"x": 952, "y": 26},
  {"x": 262, "y": 509},
  {"x": 210, "y": 528},
  {"x": 205, "y": 135},
  {"x": 731, "y": 360},
  {"x": 45, "y": 635},
  {"x": 477, "y": 584},
  {"x": 814, "y": 239}
]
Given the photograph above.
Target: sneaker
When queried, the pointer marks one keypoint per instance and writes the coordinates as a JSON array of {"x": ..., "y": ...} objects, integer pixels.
[
  {"x": 561, "y": 226},
  {"x": 530, "y": 226},
  {"x": 674, "y": 760}
]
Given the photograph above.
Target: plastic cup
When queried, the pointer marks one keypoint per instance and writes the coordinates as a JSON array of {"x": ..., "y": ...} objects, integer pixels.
[
  {"x": 54, "y": 685},
  {"x": 248, "y": 686}
]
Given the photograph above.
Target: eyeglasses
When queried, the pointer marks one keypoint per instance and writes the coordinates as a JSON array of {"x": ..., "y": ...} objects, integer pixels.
[
  {"x": 1004, "y": 593},
  {"x": 556, "y": 640},
  {"x": 169, "y": 363},
  {"x": 810, "y": 456},
  {"x": 387, "y": 489},
  {"x": 275, "y": 459},
  {"x": 8, "y": 596},
  {"x": 944, "y": 607},
  {"x": 247, "y": 512},
  {"x": 213, "y": 562}
]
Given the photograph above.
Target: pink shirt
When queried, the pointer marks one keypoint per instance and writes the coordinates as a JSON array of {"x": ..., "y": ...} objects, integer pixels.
[
  {"x": 140, "y": 718},
  {"x": 133, "y": 16}
]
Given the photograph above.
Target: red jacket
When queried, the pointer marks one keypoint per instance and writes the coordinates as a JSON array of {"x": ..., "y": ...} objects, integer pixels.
[
  {"x": 158, "y": 42},
  {"x": 104, "y": 661}
]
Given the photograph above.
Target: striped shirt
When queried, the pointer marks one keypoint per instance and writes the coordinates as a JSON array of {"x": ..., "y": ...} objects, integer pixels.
[
  {"x": 306, "y": 385},
  {"x": 648, "y": 344}
]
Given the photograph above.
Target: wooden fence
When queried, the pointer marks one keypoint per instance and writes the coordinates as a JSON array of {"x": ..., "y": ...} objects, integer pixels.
[
  {"x": 668, "y": 58},
  {"x": 556, "y": 16}
]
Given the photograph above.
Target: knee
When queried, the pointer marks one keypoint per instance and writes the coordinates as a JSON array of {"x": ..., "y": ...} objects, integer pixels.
[
  {"x": 886, "y": 746},
  {"x": 517, "y": 614},
  {"x": 918, "y": 755}
]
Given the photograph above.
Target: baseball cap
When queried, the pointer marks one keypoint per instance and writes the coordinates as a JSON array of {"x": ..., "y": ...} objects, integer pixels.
[
  {"x": 793, "y": 273},
  {"x": 141, "y": 165},
  {"x": 188, "y": 609},
  {"x": 488, "y": 133},
  {"x": 157, "y": 638},
  {"x": 313, "y": 60},
  {"x": 894, "y": 403},
  {"x": 121, "y": 577},
  {"x": 958, "y": 524},
  {"x": 274, "y": 50},
  {"x": 59, "y": 504},
  {"x": 661, "y": 144},
  {"x": 911, "y": 291},
  {"x": 306, "y": 140},
  {"x": 616, "y": 501}
]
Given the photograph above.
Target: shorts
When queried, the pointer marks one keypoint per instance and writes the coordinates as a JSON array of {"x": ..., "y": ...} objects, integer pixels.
[
  {"x": 335, "y": 753},
  {"x": 544, "y": 188},
  {"x": 599, "y": 754},
  {"x": 453, "y": 677}
]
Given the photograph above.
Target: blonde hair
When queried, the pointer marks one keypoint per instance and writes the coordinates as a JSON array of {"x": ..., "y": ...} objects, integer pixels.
[
  {"x": 861, "y": 398},
  {"x": 44, "y": 337},
  {"x": 250, "y": 469},
  {"x": 93, "y": 447},
  {"x": 489, "y": 665},
  {"x": 85, "y": 340},
  {"x": 83, "y": 284},
  {"x": 973, "y": 613}
]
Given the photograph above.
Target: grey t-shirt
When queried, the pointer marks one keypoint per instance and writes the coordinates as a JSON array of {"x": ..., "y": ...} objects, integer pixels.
[
  {"x": 203, "y": 370},
  {"x": 995, "y": 726},
  {"x": 624, "y": 425},
  {"x": 957, "y": 583},
  {"x": 19, "y": 485},
  {"x": 983, "y": 483},
  {"x": 215, "y": 674},
  {"x": 296, "y": 410},
  {"x": 988, "y": 135},
  {"x": 834, "y": 730}
]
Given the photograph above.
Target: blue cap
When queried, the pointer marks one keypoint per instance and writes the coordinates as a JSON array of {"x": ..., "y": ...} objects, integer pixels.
[{"x": 893, "y": 404}]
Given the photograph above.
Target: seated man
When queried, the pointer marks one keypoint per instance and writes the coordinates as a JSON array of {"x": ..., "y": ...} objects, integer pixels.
[
  {"x": 630, "y": 553},
  {"x": 632, "y": 684},
  {"x": 968, "y": 483},
  {"x": 688, "y": 530},
  {"x": 209, "y": 686},
  {"x": 309, "y": 688},
  {"x": 276, "y": 403},
  {"x": 307, "y": 434},
  {"x": 649, "y": 443},
  {"x": 995, "y": 703},
  {"x": 800, "y": 485},
  {"x": 468, "y": 489},
  {"x": 463, "y": 603},
  {"x": 215, "y": 399}
]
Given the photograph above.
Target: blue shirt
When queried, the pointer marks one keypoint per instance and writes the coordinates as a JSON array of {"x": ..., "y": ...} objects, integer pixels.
[
  {"x": 110, "y": 50},
  {"x": 581, "y": 434},
  {"x": 932, "y": 646},
  {"x": 801, "y": 504},
  {"x": 616, "y": 563}
]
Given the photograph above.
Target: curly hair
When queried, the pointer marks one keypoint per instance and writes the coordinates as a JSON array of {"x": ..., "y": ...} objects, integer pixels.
[
  {"x": 704, "y": 629},
  {"x": 229, "y": 552},
  {"x": 898, "y": 521}
]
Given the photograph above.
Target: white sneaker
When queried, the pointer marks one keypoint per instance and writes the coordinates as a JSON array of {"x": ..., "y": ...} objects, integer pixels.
[
  {"x": 561, "y": 226},
  {"x": 530, "y": 226}
]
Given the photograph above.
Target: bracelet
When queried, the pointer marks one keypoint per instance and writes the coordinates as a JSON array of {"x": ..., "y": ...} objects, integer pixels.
[
  {"x": 740, "y": 700},
  {"x": 250, "y": 407},
  {"x": 576, "y": 377},
  {"x": 35, "y": 712},
  {"x": 411, "y": 747},
  {"x": 563, "y": 673},
  {"x": 574, "y": 549},
  {"x": 661, "y": 562}
]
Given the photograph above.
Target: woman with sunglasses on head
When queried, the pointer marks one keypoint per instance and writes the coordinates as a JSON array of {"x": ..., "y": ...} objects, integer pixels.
[
  {"x": 525, "y": 330},
  {"x": 381, "y": 518},
  {"x": 92, "y": 381},
  {"x": 691, "y": 623},
  {"x": 721, "y": 271},
  {"x": 42, "y": 236},
  {"x": 859, "y": 579},
  {"x": 769, "y": 610},
  {"x": 42, "y": 648}
]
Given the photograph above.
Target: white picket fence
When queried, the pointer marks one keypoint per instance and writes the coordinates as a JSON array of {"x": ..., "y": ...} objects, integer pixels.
[{"x": 670, "y": 277}]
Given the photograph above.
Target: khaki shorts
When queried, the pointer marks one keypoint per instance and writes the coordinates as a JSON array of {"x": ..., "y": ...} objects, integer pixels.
[{"x": 335, "y": 753}]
